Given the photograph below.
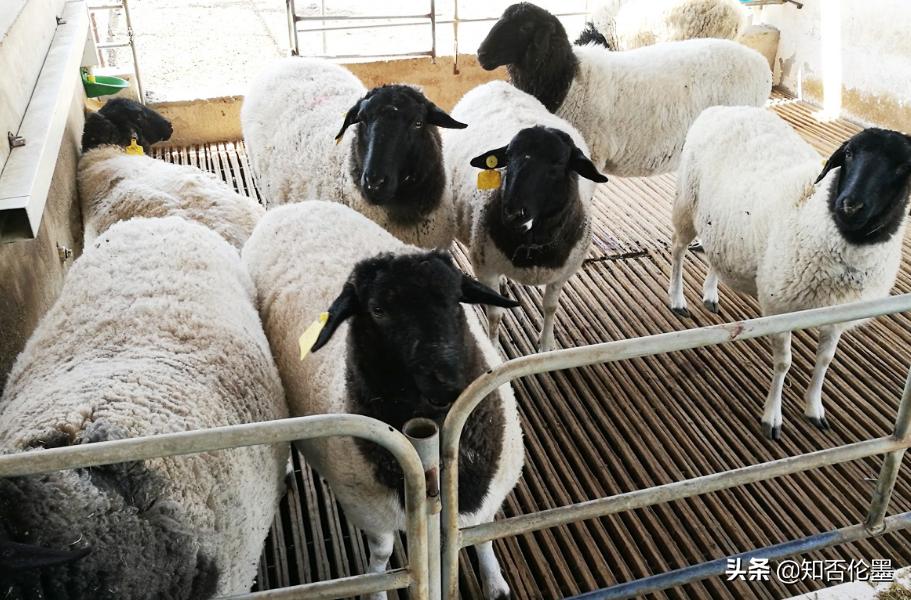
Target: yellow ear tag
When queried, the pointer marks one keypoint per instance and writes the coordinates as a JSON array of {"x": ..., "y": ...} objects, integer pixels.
[
  {"x": 134, "y": 148},
  {"x": 489, "y": 179},
  {"x": 308, "y": 338}
]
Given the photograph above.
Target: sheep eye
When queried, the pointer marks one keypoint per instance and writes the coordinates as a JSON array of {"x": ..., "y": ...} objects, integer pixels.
[
  {"x": 849, "y": 153},
  {"x": 418, "y": 124},
  {"x": 378, "y": 312}
]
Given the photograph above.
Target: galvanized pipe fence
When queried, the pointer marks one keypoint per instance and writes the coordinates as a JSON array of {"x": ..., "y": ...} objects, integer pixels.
[
  {"x": 419, "y": 457},
  {"x": 893, "y": 446}
]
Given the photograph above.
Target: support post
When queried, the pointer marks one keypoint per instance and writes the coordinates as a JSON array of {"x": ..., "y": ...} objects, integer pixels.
[
  {"x": 424, "y": 435},
  {"x": 891, "y": 464}
]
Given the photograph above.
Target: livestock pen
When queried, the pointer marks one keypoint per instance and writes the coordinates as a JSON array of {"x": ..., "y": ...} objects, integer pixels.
[{"x": 656, "y": 401}]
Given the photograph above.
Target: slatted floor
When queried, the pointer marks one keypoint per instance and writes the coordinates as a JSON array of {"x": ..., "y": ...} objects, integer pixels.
[{"x": 603, "y": 430}]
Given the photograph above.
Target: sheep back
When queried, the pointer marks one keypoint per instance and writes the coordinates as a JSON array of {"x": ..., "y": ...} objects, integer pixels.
[
  {"x": 115, "y": 186},
  {"x": 635, "y": 107},
  {"x": 155, "y": 332}
]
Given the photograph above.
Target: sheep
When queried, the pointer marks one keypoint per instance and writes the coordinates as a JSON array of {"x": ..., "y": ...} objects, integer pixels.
[
  {"x": 115, "y": 185},
  {"x": 771, "y": 227},
  {"x": 396, "y": 345},
  {"x": 155, "y": 332},
  {"x": 535, "y": 227},
  {"x": 626, "y": 25},
  {"x": 634, "y": 107},
  {"x": 390, "y": 169}
]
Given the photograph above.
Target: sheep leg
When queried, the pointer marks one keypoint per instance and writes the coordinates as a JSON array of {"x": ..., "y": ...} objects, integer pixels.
[
  {"x": 495, "y": 586},
  {"x": 781, "y": 362},
  {"x": 710, "y": 291},
  {"x": 494, "y": 313},
  {"x": 825, "y": 352},
  {"x": 551, "y": 301},
  {"x": 380, "y": 550},
  {"x": 682, "y": 239}
]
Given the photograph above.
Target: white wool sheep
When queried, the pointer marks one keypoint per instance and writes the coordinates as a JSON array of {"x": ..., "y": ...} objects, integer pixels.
[
  {"x": 631, "y": 24},
  {"x": 746, "y": 188},
  {"x": 301, "y": 257},
  {"x": 555, "y": 209},
  {"x": 115, "y": 186},
  {"x": 388, "y": 168},
  {"x": 635, "y": 107},
  {"x": 155, "y": 332}
]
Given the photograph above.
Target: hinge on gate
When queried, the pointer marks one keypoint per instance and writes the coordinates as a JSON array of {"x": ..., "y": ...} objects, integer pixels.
[
  {"x": 61, "y": 21},
  {"x": 15, "y": 141}
]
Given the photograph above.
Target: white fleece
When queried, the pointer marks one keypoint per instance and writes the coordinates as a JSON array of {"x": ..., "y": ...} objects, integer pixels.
[
  {"x": 746, "y": 185},
  {"x": 630, "y": 24},
  {"x": 290, "y": 118},
  {"x": 300, "y": 257},
  {"x": 115, "y": 186},
  {"x": 635, "y": 107},
  {"x": 155, "y": 332}
]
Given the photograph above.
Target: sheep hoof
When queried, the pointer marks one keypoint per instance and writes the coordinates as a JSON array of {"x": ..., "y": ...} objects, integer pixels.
[
  {"x": 820, "y": 422},
  {"x": 681, "y": 312},
  {"x": 773, "y": 432},
  {"x": 710, "y": 306}
]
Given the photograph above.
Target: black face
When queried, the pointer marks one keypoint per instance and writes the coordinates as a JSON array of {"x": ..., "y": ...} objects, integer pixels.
[
  {"x": 120, "y": 120},
  {"x": 522, "y": 26},
  {"x": 408, "y": 330},
  {"x": 868, "y": 199},
  {"x": 541, "y": 168},
  {"x": 397, "y": 150}
]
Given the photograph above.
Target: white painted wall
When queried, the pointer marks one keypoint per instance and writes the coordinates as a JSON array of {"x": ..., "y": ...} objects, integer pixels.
[{"x": 858, "y": 47}]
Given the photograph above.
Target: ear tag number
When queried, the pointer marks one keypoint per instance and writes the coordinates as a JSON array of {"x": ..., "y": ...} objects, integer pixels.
[
  {"x": 134, "y": 148},
  {"x": 308, "y": 338},
  {"x": 489, "y": 179}
]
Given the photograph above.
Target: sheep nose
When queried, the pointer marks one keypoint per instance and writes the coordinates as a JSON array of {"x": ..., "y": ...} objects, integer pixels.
[
  {"x": 850, "y": 206},
  {"x": 374, "y": 182}
]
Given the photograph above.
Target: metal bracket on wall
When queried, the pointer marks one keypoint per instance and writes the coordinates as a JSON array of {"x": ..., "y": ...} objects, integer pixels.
[
  {"x": 799, "y": 5},
  {"x": 15, "y": 141}
]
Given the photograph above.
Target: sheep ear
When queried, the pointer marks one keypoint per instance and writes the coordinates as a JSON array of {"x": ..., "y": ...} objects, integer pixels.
[
  {"x": 439, "y": 117},
  {"x": 17, "y": 557},
  {"x": 475, "y": 292},
  {"x": 580, "y": 163},
  {"x": 350, "y": 119},
  {"x": 836, "y": 160},
  {"x": 492, "y": 159},
  {"x": 343, "y": 307}
]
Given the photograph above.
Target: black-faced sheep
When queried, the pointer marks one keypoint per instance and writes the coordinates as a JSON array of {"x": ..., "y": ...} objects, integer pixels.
[
  {"x": 389, "y": 168},
  {"x": 535, "y": 225},
  {"x": 635, "y": 107},
  {"x": 774, "y": 227},
  {"x": 397, "y": 344},
  {"x": 116, "y": 185}
]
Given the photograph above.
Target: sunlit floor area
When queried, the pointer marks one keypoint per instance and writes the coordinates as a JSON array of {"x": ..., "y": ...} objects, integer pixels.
[{"x": 603, "y": 430}]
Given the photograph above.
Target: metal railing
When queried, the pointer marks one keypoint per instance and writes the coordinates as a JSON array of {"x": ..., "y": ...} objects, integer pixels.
[
  {"x": 410, "y": 20},
  {"x": 893, "y": 446},
  {"x": 415, "y": 577},
  {"x": 130, "y": 42},
  {"x": 421, "y": 576}
]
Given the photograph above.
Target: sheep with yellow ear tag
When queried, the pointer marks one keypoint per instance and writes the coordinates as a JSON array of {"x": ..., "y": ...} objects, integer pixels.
[{"x": 526, "y": 213}]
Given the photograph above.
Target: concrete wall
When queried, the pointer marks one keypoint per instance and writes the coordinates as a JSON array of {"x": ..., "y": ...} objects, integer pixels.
[
  {"x": 31, "y": 272},
  {"x": 849, "y": 55}
]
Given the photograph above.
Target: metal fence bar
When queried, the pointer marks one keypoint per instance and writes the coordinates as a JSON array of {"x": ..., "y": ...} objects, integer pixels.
[
  {"x": 677, "y": 490},
  {"x": 362, "y": 17},
  {"x": 269, "y": 432},
  {"x": 292, "y": 27},
  {"x": 647, "y": 585},
  {"x": 337, "y": 588},
  {"x": 622, "y": 350},
  {"x": 889, "y": 472}
]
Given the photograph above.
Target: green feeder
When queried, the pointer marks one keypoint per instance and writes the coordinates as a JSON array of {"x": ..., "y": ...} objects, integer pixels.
[{"x": 102, "y": 84}]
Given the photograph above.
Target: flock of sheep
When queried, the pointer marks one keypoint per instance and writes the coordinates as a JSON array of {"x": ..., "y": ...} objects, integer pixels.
[{"x": 186, "y": 309}]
